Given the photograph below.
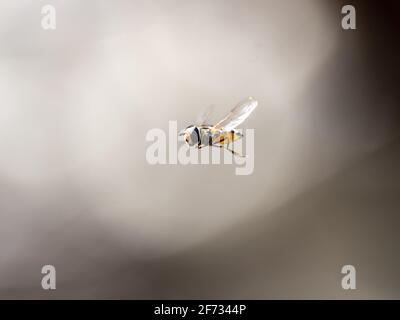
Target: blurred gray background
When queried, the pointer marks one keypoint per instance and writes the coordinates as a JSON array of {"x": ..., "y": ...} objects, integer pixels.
[{"x": 76, "y": 191}]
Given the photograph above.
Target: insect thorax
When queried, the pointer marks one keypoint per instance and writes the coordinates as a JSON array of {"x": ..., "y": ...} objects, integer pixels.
[{"x": 208, "y": 134}]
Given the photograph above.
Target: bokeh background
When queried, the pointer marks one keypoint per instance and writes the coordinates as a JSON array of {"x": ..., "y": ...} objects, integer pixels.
[{"x": 76, "y": 191}]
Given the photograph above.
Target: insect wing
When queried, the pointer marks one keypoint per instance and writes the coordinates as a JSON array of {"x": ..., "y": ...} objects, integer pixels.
[
  {"x": 237, "y": 115},
  {"x": 204, "y": 118}
]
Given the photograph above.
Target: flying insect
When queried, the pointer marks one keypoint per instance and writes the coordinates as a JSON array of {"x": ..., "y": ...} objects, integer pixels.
[{"x": 222, "y": 134}]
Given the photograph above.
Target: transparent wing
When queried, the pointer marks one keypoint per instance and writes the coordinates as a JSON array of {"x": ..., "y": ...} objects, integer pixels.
[
  {"x": 237, "y": 115},
  {"x": 204, "y": 118}
]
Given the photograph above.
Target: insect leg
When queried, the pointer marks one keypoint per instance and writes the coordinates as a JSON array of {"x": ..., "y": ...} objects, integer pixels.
[
  {"x": 236, "y": 153},
  {"x": 232, "y": 151}
]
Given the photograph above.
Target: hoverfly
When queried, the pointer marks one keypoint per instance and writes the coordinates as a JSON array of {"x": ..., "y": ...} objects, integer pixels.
[{"x": 223, "y": 133}]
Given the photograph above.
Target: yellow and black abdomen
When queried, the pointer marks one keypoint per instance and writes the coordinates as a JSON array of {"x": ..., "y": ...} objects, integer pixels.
[{"x": 227, "y": 137}]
